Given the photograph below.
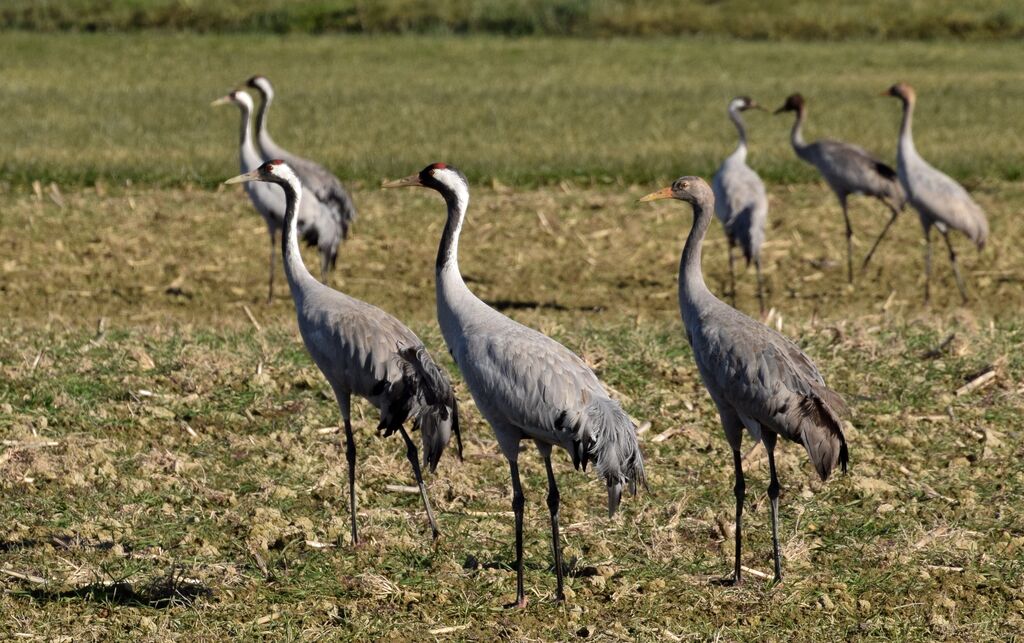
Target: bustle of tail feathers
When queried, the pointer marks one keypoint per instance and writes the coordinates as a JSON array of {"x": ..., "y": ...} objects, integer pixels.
[
  {"x": 432, "y": 405},
  {"x": 894, "y": 190},
  {"x": 607, "y": 437},
  {"x": 886, "y": 171},
  {"x": 344, "y": 211},
  {"x": 980, "y": 234},
  {"x": 821, "y": 430}
]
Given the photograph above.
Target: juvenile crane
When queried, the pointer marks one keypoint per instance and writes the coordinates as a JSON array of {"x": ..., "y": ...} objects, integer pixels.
[
  {"x": 848, "y": 169},
  {"x": 757, "y": 378},
  {"x": 741, "y": 203},
  {"x": 269, "y": 201},
  {"x": 939, "y": 200},
  {"x": 321, "y": 186},
  {"x": 527, "y": 386},
  {"x": 363, "y": 350}
]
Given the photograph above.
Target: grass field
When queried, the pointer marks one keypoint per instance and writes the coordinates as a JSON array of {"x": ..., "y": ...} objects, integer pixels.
[
  {"x": 523, "y": 111},
  {"x": 169, "y": 461}
]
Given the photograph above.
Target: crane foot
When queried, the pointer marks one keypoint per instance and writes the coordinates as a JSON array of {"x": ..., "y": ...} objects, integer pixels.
[
  {"x": 730, "y": 581},
  {"x": 519, "y": 604}
]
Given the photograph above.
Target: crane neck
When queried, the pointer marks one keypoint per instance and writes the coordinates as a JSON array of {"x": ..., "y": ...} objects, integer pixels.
[
  {"x": 249, "y": 158},
  {"x": 262, "y": 133},
  {"x": 796, "y": 135},
  {"x": 906, "y": 143},
  {"x": 299, "y": 278},
  {"x": 734, "y": 116},
  {"x": 691, "y": 279},
  {"x": 452, "y": 291},
  {"x": 447, "y": 263}
]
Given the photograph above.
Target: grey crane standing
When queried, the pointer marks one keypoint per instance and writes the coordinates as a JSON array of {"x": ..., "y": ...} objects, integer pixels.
[
  {"x": 267, "y": 199},
  {"x": 527, "y": 386},
  {"x": 848, "y": 169},
  {"x": 322, "y": 186},
  {"x": 939, "y": 200},
  {"x": 741, "y": 203},
  {"x": 757, "y": 378},
  {"x": 363, "y": 350}
]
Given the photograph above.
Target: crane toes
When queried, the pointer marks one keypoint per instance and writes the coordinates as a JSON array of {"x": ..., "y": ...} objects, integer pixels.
[
  {"x": 519, "y": 604},
  {"x": 729, "y": 581}
]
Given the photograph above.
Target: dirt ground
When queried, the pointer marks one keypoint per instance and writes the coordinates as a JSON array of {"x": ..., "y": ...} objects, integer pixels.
[{"x": 170, "y": 467}]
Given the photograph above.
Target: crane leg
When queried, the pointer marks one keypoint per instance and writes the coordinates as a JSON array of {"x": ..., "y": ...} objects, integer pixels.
[
  {"x": 956, "y": 268},
  {"x": 270, "y": 286},
  {"x": 414, "y": 460},
  {"x": 344, "y": 401},
  {"x": 769, "y": 439},
  {"x": 760, "y": 285},
  {"x": 732, "y": 272},
  {"x": 849, "y": 241},
  {"x": 927, "y": 264},
  {"x": 518, "y": 501},
  {"x": 556, "y": 543},
  {"x": 740, "y": 491},
  {"x": 892, "y": 219}
]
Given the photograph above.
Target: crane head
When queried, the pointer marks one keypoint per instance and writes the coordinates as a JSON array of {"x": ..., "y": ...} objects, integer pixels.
[
  {"x": 236, "y": 97},
  {"x": 743, "y": 103},
  {"x": 276, "y": 171},
  {"x": 692, "y": 189},
  {"x": 444, "y": 178},
  {"x": 794, "y": 103},
  {"x": 260, "y": 84},
  {"x": 901, "y": 91}
]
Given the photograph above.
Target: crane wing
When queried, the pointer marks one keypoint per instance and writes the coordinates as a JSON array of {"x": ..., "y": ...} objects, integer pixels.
[
  {"x": 946, "y": 201},
  {"x": 767, "y": 378}
]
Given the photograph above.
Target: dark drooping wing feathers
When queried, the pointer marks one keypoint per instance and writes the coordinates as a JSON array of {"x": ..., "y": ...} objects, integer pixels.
[
  {"x": 436, "y": 389},
  {"x": 802, "y": 408},
  {"x": 427, "y": 397},
  {"x": 743, "y": 230},
  {"x": 768, "y": 380},
  {"x": 886, "y": 171},
  {"x": 603, "y": 433},
  {"x": 852, "y": 169}
]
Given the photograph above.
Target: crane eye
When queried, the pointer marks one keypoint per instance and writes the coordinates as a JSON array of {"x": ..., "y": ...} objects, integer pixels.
[{"x": 685, "y": 185}]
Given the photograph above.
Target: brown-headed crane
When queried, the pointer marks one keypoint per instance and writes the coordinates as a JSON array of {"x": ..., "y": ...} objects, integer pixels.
[
  {"x": 940, "y": 201},
  {"x": 757, "y": 378}
]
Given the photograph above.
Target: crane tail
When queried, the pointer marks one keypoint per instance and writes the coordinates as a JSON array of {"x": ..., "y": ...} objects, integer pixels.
[
  {"x": 821, "y": 431},
  {"x": 432, "y": 404},
  {"x": 608, "y": 438}
]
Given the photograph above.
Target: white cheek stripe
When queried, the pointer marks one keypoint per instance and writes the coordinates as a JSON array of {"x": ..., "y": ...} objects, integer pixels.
[{"x": 453, "y": 182}]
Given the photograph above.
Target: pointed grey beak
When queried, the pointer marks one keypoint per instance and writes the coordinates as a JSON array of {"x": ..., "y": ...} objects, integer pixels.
[
  {"x": 243, "y": 178},
  {"x": 409, "y": 181}
]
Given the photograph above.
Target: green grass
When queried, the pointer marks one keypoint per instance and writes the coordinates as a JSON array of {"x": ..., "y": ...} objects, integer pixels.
[
  {"x": 102, "y": 482},
  {"x": 752, "y": 19},
  {"x": 81, "y": 108}
]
